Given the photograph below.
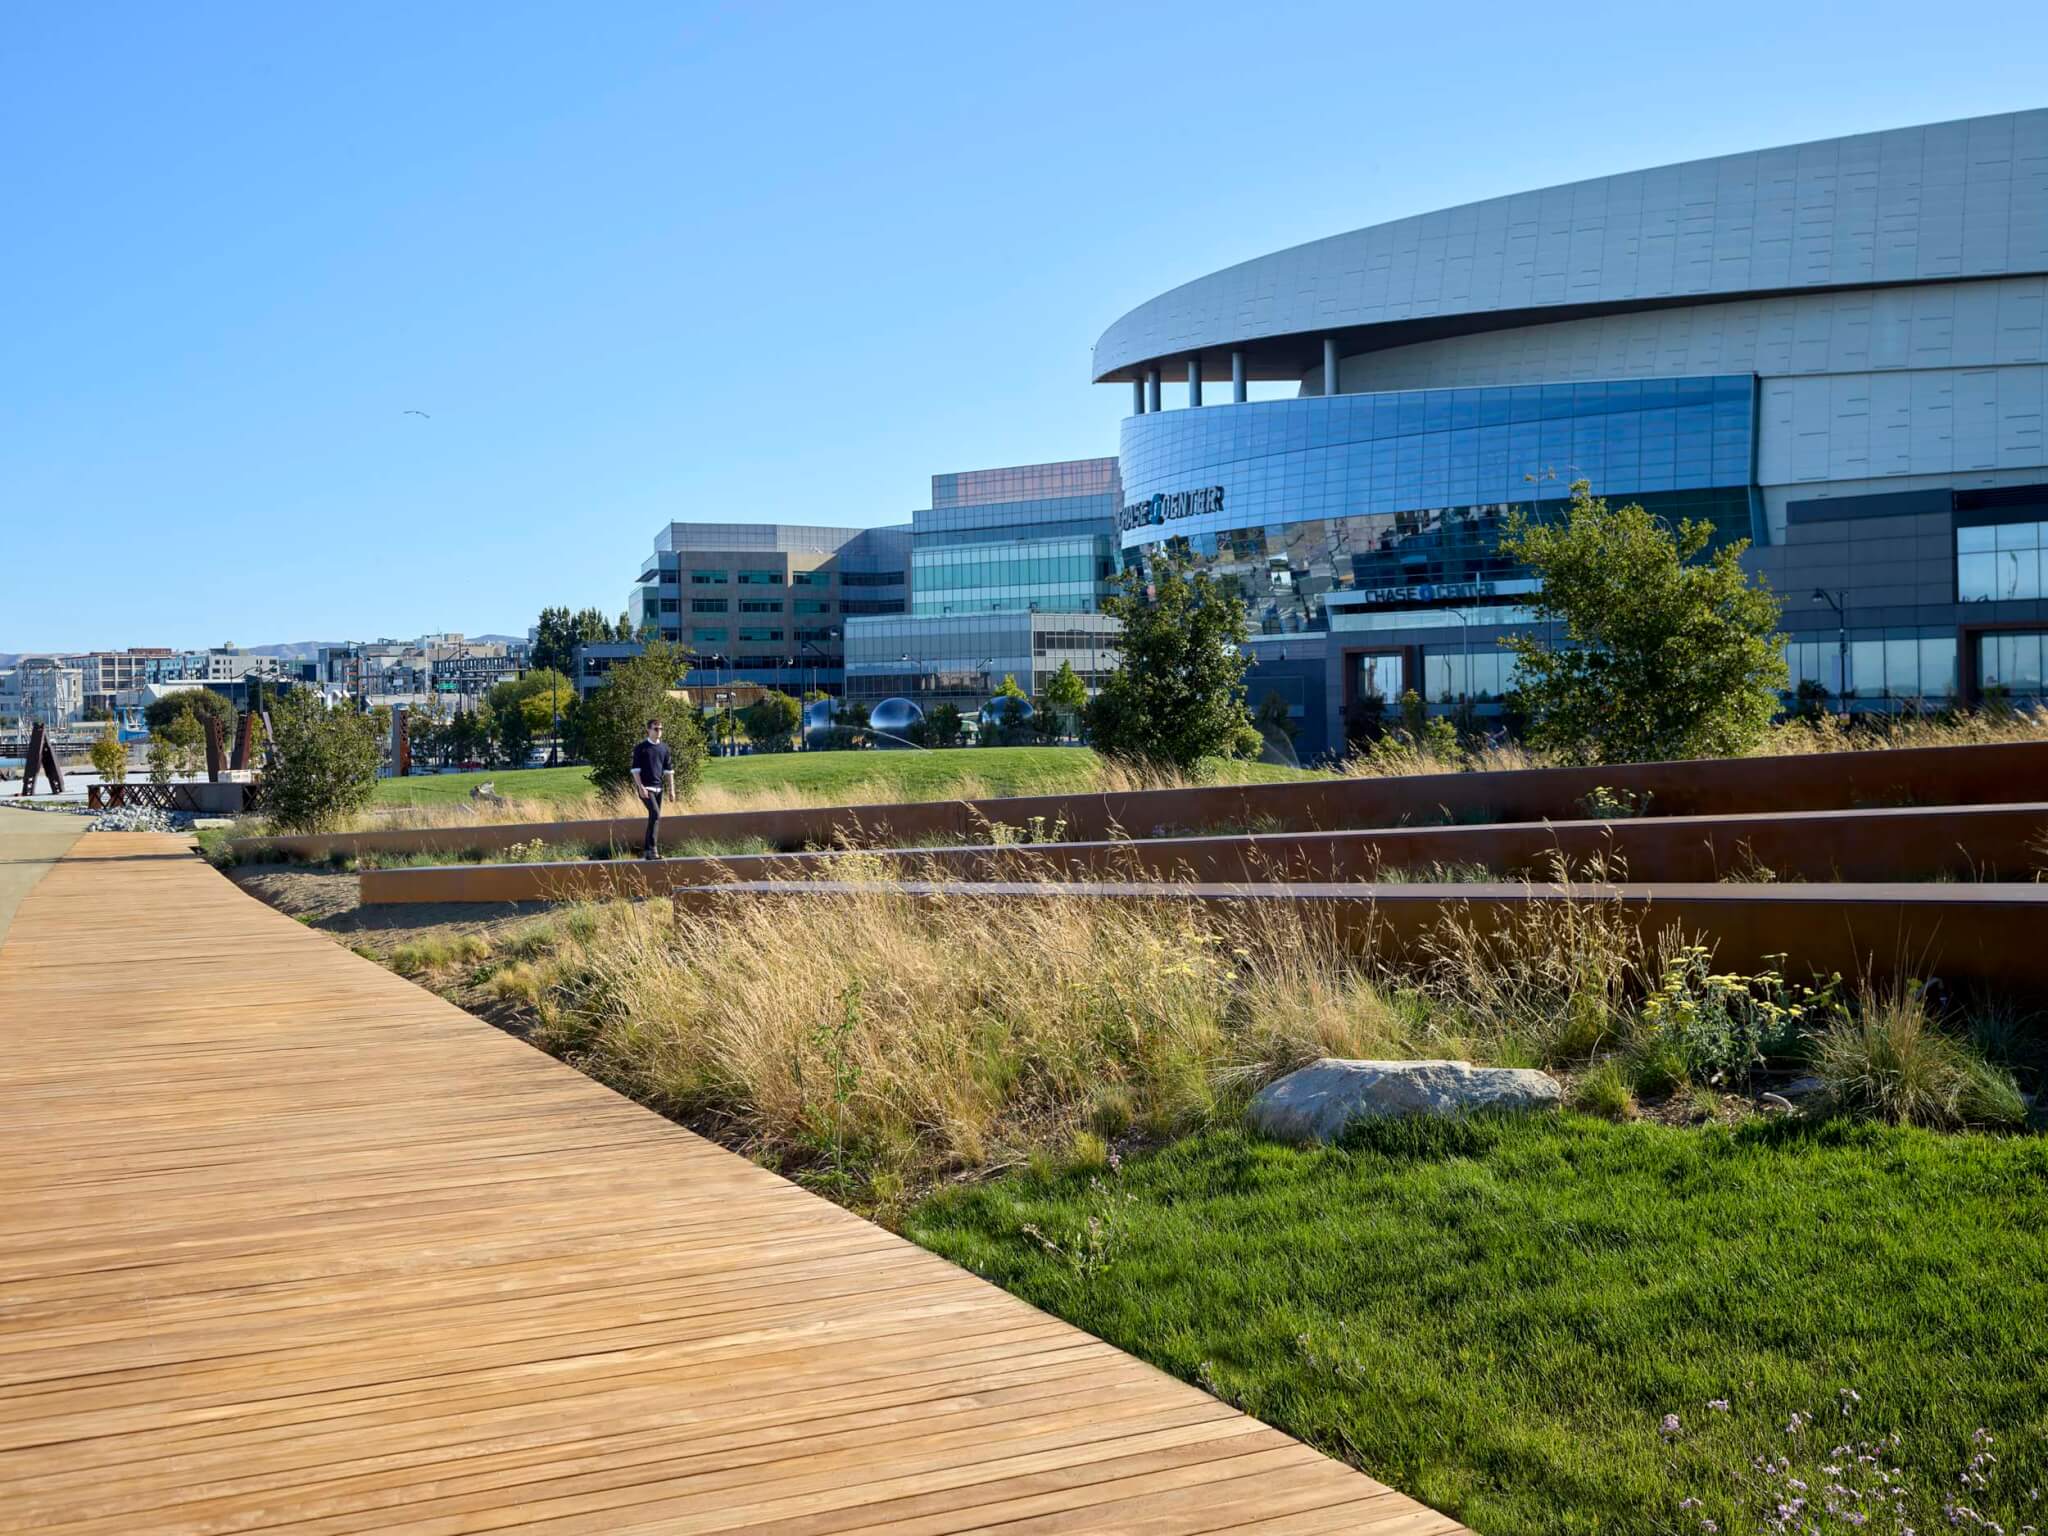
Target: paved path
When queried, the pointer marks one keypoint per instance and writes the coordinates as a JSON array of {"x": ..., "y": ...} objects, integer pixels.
[
  {"x": 30, "y": 842},
  {"x": 289, "y": 1244}
]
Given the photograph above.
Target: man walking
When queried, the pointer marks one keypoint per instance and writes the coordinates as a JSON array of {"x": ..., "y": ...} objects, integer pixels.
[{"x": 652, "y": 775}]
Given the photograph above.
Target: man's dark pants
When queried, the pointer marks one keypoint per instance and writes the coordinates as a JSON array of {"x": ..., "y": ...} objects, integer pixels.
[{"x": 653, "y": 821}]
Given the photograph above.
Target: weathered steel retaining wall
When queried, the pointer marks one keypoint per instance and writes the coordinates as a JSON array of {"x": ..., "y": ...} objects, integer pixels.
[
  {"x": 1989, "y": 842},
  {"x": 1974, "y": 775}
]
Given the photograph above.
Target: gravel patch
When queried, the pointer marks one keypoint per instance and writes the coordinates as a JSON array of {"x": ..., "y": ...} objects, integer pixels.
[{"x": 142, "y": 818}]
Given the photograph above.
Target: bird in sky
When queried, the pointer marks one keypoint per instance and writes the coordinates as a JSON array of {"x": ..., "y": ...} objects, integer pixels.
[{"x": 421, "y": 414}]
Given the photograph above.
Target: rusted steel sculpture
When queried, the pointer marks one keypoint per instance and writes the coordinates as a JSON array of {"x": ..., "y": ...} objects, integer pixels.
[
  {"x": 41, "y": 757},
  {"x": 213, "y": 747},
  {"x": 245, "y": 728}
]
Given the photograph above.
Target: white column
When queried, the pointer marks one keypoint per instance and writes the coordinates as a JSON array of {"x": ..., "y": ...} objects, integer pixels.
[
  {"x": 1137, "y": 397},
  {"x": 1329, "y": 365},
  {"x": 1237, "y": 377},
  {"x": 1194, "y": 381}
]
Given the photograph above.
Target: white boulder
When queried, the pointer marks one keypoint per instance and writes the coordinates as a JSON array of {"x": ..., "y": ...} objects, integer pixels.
[{"x": 1319, "y": 1101}]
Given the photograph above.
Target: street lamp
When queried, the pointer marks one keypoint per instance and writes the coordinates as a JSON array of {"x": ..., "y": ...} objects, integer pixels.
[
  {"x": 816, "y": 656},
  {"x": 1465, "y": 639},
  {"x": 1822, "y": 595}
]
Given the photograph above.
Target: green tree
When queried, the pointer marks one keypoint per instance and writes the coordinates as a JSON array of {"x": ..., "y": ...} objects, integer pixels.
[
  {"x": 177, "y": 750},
  {"x": 1066, "y": 695},
  {"x": 110, "y": 756},
  {"x": 1010, "y": 688},
  {"x": 1177, "y": 694},
  {"x": 325, "y": 765},
  {"x": 1669, "y": 650},
  {"x": 200, "y": 701},
  {"x": 771, "y": 722},
  {"x": 615, "y": 717},
  {"x": 944, "y": 727},
  {"x": 558, "y": 632}
]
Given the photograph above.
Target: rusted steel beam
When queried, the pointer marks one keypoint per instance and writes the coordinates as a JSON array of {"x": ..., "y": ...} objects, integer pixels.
[
  {"x": 214, "y": 755},
  {"x": 2000, "y": 773},
  {"x": 1994, "y": 842},
  {"x": 245, "y": 726}
]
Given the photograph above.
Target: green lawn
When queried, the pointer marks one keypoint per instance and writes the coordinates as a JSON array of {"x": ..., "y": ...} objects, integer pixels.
[
  {"x": 846, "y": 777},
  {"x": 1495, "y": 1317}
]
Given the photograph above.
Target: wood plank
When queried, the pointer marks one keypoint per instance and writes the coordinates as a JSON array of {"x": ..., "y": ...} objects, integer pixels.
[{"x": 289, "y": 1244}]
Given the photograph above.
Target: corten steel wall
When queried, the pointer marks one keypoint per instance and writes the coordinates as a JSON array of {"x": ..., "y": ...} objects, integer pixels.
[
  {"x": 1994, "y": 774},
  {"x": 1954, "y": 842},
  {"x": 1967, "y": 935}
]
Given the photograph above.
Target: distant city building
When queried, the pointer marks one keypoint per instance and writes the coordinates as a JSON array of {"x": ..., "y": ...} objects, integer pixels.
[
  {"x": 437, "y": 672},
  {"x": 216, "y": 664},
  {"x": 106, "y": 673},
  {"x": 47, "y": 690}
]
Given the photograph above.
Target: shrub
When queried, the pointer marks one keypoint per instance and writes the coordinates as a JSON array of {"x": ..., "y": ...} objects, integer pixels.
[
  {"x": 1177, "y": 694},
  {"x": 193, "y": 701},
  {"x": 1722, "y": 1026},
  {"x": 110, "y": 756},
  {"x": 324, "y": 766},
  {"x": 1893, "y": 1062}
]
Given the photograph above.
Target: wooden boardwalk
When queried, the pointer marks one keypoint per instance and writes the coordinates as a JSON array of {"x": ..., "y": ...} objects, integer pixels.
[{"x": 289, "y": 1244}]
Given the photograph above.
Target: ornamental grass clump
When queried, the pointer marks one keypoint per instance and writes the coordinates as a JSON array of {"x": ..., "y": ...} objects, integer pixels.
[{"x": 1890, "y": 1059}]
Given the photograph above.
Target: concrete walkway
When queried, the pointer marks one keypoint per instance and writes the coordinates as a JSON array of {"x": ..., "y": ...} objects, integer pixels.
[
  {"x": 288, "y": 1244},
  {"x": 30, "y": 842}
]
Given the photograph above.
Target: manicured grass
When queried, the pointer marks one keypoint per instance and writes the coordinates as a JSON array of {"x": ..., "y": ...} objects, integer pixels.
[
  {"x": 1495, "y": 1317},
  {"x": 845, "y": 777}
]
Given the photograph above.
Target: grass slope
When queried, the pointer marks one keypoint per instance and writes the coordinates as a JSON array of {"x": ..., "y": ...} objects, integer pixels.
[
  {"x": 845, "y": 777},
  {"x": 1495, "y": 1317}
]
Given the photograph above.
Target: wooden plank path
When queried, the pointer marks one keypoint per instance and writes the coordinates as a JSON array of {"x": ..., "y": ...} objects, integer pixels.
[{"x": 289, "y": 1244}]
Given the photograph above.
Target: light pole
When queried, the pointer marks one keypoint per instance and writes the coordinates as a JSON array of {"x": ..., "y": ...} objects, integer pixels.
[
  {"x": 1822, "y": 595},
  {"x": 816, "y": 655},
  {"x": 1465, "y": 640}
]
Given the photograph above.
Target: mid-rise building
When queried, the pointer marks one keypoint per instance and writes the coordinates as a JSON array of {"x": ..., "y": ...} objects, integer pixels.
[
  {"x": 107, "y": 673},
  {"x": 47, "y": 690},
  {"x": 1008, "y": 569},
  {"x": 762, "y": 603},
  {"x": 1837, "y": 350}
]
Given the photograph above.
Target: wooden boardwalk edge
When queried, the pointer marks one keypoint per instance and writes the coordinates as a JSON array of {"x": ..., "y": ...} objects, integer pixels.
[{"x": 290, "y": 1244}]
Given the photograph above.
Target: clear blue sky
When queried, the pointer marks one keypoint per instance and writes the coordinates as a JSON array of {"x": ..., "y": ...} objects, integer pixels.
[{"x": 756, "y": 261}]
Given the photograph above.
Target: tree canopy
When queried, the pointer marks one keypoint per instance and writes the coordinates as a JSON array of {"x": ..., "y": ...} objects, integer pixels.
[
  {"x": 560, "y": 632},
  {"x": 1177, "y": 694},
  {"x": 325, "y": 764},
  {"x": 1667, "y": 650},
  {"x": 614, "y": 718}
]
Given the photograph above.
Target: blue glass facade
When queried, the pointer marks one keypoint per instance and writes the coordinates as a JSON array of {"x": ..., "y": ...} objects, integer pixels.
[
  {"x": 1319, "y": 507},
  {"x": 1034, "y": 538}
]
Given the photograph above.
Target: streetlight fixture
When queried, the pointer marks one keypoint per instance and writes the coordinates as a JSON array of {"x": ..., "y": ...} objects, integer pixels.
[
  {"x": 1822, "y": 595},
  {"x": 817, "y": 656}
]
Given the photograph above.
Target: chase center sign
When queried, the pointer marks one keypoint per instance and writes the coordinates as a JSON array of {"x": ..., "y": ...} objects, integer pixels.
[{"x": 1168, "y": 506}]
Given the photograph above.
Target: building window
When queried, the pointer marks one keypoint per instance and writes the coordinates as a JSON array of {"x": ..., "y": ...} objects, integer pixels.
[
  {"x": 760, "y": 578},
  {"x": 760, "y": 605},
  {"x": 818, "y": 578},
  {"x": 2000, "y": 563},
  {"x": 668, "y": 605},
  {"x": 708, "y": 636},
  {"x": 2012, "y": 661},
  {"x": 760, "y": 637},
  {"x": 707, "y": 578},
  {"x": 813, "y": 605},
  {"x": 708, "y": 605}
]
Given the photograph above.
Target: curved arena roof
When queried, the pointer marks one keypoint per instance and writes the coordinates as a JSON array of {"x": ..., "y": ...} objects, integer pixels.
[{"x": 1928, "y": 204}]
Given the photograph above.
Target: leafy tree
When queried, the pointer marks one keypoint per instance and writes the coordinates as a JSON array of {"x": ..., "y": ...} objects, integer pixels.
[
  {"x": 1177, "y": 694},
  {"x": 772, "y": 722},
  {"x": 558, "y": 632},
  {"x": 1010, "y": 688},
  {"x": 1669, "y": 651},
  {"x": 110, "y": 756},
  {"x": 200, "y": 701},
  {"x": 1066, "y": 695},
  {"x": 176, "y": 750},
  {"x": 944, "y": 727},
  {"x": 615, "y": 717},
  {"x": 515, "y": 734},
  {"x": 96, "y": 712},
  {"x": 325, "y": 765}
]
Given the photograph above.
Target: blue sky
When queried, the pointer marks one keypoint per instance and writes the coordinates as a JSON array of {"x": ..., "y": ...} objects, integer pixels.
[{"x": 642, "y": 262}]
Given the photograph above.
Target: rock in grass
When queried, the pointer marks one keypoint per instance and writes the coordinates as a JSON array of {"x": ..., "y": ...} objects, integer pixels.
[{"x": 1319, "y": 1101}]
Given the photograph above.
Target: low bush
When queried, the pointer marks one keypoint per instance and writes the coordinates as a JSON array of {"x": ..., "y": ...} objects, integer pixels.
[{"x": 1603, "y": 1090}]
